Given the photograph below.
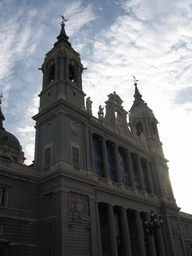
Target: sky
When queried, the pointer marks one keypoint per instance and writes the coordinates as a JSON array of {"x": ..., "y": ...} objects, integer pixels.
[{"x": 116, "y": 39}]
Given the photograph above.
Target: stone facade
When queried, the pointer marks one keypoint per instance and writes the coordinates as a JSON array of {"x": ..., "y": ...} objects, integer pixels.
[{"x": 97, "y": 186}]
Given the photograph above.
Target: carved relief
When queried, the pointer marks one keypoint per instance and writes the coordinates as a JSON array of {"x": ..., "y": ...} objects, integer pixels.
[
  {"x": 49, "y": 126},
  {"x": 74, "y": 127},
  {"x": 175, "y": 226},
  {"x": 78, "y": 205}
]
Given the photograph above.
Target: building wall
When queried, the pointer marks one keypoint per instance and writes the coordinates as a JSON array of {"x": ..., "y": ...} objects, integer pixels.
[
  {"x": 98, "y": 186},
  {"x": 19, "y": 213}
]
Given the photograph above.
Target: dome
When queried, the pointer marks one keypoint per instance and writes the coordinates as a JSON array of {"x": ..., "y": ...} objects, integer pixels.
[{"x": 9, "y": 140}]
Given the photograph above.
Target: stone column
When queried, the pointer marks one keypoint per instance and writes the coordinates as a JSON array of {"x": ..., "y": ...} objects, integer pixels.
[
  {"x": 112, "y": 233},
  {"x": 61, "y": 68},
  {"x": 91, "y": 150},
  {"x": 117, "y": 164},
  {"x": 95, "y": 228},
  {"x": 150, "y": 126},
  {"x": 130, "y": 169},
  {"x": 151, "y": 243},
  {"x": 44, "y": 77},
  {"x": 61, "y": 219},
  {"x": 147, "y": 127},
  {"x": 56, "y": 69},
  {"x": 98, "y": 229},
  {"x": 140, "y": 234},
  {"x": 160, "y": 242},
  {"x": 105, "y": 159},
  {"x": 149, "y": 177},
  {"x": 78, "y": 80},
  {"x": 88, "y": 150},
  {"x": 140, "y": 173},
  {"x": 144, "y": 127},
  {"x": 125, "y": 233},
  {"x": 38, "y": 162}
]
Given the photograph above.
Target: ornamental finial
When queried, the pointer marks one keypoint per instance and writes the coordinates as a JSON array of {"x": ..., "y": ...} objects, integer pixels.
[
  {"x": 63, "y": 21},
  {"x": 135, "y": 81}
]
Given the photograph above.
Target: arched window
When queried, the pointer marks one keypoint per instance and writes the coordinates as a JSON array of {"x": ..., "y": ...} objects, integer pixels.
[
  {"x": 139, "y": 128},
  {"x": 72, "y": 73},
  {"x": 52, "y": 73}
]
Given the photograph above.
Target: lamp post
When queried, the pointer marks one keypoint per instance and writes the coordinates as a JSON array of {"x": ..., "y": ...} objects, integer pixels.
[{"x": 155, "y": 222}]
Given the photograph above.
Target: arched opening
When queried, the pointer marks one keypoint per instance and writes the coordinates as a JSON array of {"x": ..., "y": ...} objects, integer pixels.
[
  {"x": 72, "y": 73},
  {"x": 139, "y": 128},
  {"x": 52, "y": 73}
]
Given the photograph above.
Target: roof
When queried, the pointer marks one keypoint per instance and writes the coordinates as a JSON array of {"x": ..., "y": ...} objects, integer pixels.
[{"x": 9, "y": 140}]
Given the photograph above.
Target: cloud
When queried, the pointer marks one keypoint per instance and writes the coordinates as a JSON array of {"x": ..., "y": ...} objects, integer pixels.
[
  {"x": 147, "y": 42},
  {"x": 28, "y": 32},
  {"x": 184, "y": 96}
]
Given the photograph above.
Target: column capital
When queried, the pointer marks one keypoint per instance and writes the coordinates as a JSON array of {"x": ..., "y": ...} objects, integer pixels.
[
  {"x": 111, "y": 205},
  {"x": 103, "y": 139}
]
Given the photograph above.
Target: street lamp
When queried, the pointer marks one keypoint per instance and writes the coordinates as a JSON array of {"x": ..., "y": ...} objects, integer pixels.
[{"x": 155, "y": 222}]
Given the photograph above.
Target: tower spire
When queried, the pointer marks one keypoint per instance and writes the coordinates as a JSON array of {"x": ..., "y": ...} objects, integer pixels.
[
  {"x": 2, "y": 118},
  {"x": 62, "y": 36},
  {"x": 138, "y": 97}
]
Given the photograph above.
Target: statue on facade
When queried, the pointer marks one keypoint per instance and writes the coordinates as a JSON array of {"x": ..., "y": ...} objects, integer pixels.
[
  {"x": 2, "y": 118},
  {"x": 89, "y": 105},
  {"x": 119, "y": 122},
  {"x": 100, "y": 112}
]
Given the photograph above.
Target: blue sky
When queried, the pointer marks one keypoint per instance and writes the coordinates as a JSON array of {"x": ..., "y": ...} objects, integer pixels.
[{"x": 149, "y": 39}]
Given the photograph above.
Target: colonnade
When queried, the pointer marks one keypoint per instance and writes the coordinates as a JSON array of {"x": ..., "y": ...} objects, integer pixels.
[
  {"x": 143, "y": 244},
  {"x": 128, "y": 168}
]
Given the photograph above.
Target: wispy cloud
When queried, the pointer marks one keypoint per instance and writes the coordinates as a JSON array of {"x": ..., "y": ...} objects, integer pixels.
[
  {"x": 184, "y": 96},
  {"x": 28, "y": 32},
  {"x": 146, "y": 42}
]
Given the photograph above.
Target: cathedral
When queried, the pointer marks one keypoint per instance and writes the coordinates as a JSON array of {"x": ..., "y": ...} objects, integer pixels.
[{"x": 98, "y": 186}]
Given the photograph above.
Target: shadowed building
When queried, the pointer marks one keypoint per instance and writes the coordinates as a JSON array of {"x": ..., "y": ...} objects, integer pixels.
[{"x": 98, "y": 186}]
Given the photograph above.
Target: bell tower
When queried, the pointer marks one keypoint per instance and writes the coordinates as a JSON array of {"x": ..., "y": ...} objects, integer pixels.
[
  {"x": 62, "y": 74},
  {"x": 144, "y": 125},
  {"x": 61, "y": 93},
  {"x": 143, "y": 122}
]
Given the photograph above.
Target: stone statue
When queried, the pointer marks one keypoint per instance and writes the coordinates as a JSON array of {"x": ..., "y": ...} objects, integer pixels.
[
  {"x": 100, "y": 112},
  {"x": 2, "y": 118},
  {"x": 119, "y": 121},
  {"x": 89, "y": 105}
]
